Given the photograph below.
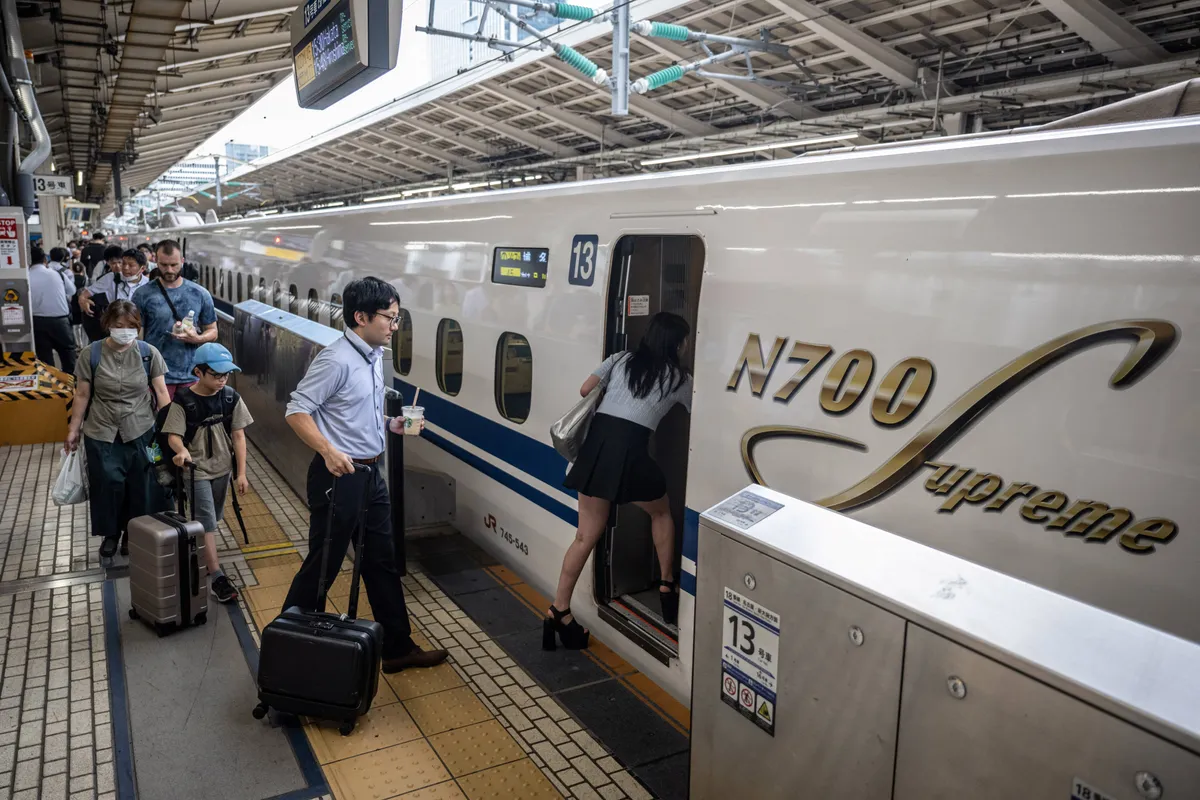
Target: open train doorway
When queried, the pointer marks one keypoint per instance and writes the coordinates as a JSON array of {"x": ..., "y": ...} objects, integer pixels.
[{"x": 651, "y": 273}]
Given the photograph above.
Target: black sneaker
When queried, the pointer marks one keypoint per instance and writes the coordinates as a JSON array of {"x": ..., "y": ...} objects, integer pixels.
[
  {"x": 224, "y": 590},
  {"x": 108, "y": 547}
]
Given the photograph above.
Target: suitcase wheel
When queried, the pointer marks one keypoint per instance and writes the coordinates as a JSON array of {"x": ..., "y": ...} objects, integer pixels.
[
  {"x": 202, "y": 618},
  {"x": 133, "y": 614},
  {"x": 261, "y": 710},
  {"x": 162, "y": 629},
  {"x": 346, "y": 728}
]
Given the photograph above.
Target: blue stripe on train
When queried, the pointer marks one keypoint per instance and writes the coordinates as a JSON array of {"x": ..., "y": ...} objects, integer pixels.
[{"x": 525, "y": 453}]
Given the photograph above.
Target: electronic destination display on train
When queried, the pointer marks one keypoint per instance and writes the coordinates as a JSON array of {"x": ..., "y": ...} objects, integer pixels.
[
  {"x": 521, "y": 266},
  {"x": 339, "y": 47}
]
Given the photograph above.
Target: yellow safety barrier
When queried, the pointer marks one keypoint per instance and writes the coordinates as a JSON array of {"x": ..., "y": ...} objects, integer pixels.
[{"x": 36, "y": 415}]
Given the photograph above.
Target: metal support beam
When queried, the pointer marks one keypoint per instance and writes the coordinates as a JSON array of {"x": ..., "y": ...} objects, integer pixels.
[
  {"x": 620, "y": 51},
  {"x": 418, "y": 170},
  {"x": 373, "y": 167},
  {"x": 569, "y": 119},
  {"x": 456, "y": 138},
  {"x": 893, "y": 65},
  {"x": 761, "y": 96},
  {"x": 643, "y": 106},
  {"x": 547, "y": 146},
  {"x": 1106, "y": 31},
  {"x": 428, "y": 151}
]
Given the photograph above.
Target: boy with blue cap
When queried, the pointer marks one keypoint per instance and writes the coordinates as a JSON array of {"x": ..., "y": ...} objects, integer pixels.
[{"x": 205, "y": 426}]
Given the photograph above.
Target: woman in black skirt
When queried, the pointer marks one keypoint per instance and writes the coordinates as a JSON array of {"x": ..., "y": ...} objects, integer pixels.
[{"x": 615, "y": 466}]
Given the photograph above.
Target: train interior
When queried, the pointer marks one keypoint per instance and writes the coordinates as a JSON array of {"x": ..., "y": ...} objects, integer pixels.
[{"x": 651, "y": 273}]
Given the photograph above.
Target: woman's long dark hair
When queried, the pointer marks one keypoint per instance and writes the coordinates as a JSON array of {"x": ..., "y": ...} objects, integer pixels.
[{"x": 656, "y": 360}]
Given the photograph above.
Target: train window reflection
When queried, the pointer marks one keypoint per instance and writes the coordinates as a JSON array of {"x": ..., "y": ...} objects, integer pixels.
[
  {"x": 277, "y": 295},
  {"x": 514, "y": 376},
  {"x": 335, "y": 312},
  {"x": 314, "y": 305},
  {"x": 449, "y": 356},
  {"x": 221, "y": 283},
  {"x": 293, "y": 299},
  {"x": 239, "y": 288},
  {"x": 260, "y": 291},
  {"x": 402, "y": 344}
]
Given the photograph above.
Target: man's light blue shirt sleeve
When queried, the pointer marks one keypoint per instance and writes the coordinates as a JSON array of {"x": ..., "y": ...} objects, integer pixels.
[{"x": 324, "y": 377}]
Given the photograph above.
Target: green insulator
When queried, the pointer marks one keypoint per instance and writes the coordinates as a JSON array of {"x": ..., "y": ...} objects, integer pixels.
[
  {"x": 576, "y": 59},
  {"x": 568, "y": 11},
  {"x": 664, "y": 76},
  {"x": 665, "y": 30}
]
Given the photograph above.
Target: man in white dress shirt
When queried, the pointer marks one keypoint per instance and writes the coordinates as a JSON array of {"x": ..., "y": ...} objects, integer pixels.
[
  {"x": 49, "y": 293},
  {"x": 127, "y": 276}
]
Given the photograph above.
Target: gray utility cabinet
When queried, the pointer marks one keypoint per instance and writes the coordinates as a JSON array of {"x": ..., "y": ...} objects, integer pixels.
[{"x": 835, "y": 660}]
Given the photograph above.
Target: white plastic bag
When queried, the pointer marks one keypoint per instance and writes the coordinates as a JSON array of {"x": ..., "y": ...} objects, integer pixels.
[{"x": 71, "y": 486}]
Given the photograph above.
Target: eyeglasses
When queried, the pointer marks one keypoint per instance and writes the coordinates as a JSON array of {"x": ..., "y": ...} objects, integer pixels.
[{"x": 393, "y": 319}]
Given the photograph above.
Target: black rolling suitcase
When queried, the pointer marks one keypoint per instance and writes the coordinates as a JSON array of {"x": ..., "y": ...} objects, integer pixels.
[{"x": 317, "y": 664}]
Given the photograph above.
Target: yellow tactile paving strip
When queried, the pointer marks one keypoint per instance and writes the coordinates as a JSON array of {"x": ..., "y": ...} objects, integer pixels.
[{"x": 431, "y": 734}]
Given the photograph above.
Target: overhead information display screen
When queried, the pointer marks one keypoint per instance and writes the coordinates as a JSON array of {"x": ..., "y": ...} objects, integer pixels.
[
  {"x": 521, "y": 266},
  {"x": 328, "y": 55},
  {"x": 339, "y": 46}
]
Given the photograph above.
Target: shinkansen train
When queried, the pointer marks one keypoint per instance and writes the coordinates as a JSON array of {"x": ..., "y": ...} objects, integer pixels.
[{"x": 987, "y": 345}]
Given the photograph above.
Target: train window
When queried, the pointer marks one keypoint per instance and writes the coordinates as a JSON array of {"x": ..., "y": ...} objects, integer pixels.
[
  {"x": 514, "y": 376},
  {"x": 335, "y": 312},
  {"x": 277, "y": 295},
  {"x": 449, "y": 356},
  {"x": 239, "y": 288},
  {"x": 402, "y": 341},
  {"x": 293, "y": 299},
  {"x": 221, "y": 284},
  {"x": 314, "y": 305},
  {"x": 260, "y": 291}
]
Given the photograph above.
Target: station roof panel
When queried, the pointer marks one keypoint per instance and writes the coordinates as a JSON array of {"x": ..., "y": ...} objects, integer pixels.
[{"x": 863, "y": 71}]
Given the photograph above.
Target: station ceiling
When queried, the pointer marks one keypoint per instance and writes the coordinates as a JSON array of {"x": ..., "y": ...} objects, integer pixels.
[
  {"x": 860, "y": 70},
  {"x": 148, "y": 79}
]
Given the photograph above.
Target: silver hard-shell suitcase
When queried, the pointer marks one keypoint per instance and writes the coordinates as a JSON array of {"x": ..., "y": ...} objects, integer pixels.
[{"x": 168, "y": 576}]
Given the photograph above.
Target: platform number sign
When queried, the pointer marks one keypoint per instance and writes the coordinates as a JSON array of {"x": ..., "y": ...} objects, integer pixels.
[
  {"x": 750, "y": 659},
  {"x": 584, "y": 249}
]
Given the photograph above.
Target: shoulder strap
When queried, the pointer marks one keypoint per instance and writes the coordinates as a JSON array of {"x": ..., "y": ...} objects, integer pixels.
[
  {"x": 167, "y": 297},
  {"x": 191, "y": 412},
  {"x": 147, "y": 358},
  {"x": 94, "y": 357},
  {"x": 230, "y": 398}
]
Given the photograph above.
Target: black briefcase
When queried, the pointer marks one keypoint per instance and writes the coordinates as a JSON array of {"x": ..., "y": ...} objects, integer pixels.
[{"x": 318, "y": 664}]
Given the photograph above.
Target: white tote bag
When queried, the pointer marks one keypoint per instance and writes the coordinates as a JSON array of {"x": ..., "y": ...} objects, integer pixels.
[{"x": 71, "y": 485}]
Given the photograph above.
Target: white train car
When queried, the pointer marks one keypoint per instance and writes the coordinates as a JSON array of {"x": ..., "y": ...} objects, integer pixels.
[{"x": 991, "y": 346}]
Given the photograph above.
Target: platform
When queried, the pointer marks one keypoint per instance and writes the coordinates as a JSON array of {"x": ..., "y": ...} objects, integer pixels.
[{"x": 92, "y": 704}]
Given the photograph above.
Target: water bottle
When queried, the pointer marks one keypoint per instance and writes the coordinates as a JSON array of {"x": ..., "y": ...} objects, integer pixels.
[{"x": 189, "y": 322}]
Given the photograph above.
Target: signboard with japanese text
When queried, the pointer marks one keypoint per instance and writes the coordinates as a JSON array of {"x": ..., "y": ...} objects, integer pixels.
[{"x": 750, "y": 659}]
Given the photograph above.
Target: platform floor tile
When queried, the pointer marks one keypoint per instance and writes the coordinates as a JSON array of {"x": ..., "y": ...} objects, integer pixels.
[
  {"x": 520, "y": 779},
  {"x": 476, "y": 747},
  {"x": 386, "y": 773},
  {"x": 384, "y": 726}
]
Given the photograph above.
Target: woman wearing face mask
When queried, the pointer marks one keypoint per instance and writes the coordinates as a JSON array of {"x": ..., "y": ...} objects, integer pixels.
[{"x": 114, "y": 413}]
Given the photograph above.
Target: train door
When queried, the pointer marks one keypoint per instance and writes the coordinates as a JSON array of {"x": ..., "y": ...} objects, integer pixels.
[{"x": 650, "y": 274}]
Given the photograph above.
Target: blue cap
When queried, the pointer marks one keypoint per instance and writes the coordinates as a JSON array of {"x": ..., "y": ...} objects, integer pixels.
[{"x": 215, "y": 357}]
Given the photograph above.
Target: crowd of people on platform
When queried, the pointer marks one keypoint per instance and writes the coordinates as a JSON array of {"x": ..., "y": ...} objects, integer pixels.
[{"x": 151, "y": 393}]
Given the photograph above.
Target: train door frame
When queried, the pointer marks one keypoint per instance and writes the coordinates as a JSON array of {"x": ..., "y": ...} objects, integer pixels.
[{"x": 625, "y": 566}]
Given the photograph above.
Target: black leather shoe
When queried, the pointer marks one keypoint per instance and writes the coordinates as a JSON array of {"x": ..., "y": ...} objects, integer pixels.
[
  {"x": 109, "y": 546},
  {"x": 418, "y": 658}
]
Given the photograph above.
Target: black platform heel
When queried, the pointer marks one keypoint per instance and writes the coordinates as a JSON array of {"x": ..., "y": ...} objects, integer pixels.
[
  {"x": 574, "y": 636},
  {"x": 670, "y": 602}
]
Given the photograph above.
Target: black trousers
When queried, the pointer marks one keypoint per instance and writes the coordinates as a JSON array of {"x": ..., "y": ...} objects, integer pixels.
[
  {"x": 365, "y": 493},
  {"x": 118, "y": 482},
  {"x": 53, "y": 335}
]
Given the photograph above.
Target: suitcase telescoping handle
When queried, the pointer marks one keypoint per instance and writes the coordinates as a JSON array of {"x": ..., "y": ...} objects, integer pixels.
[
  {"x": 360, "y": 540},
  {"x": 182, "y": 504}
]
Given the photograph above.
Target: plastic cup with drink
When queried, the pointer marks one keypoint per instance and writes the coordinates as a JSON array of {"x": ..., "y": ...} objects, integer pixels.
[{"x": 414, "y": 415}]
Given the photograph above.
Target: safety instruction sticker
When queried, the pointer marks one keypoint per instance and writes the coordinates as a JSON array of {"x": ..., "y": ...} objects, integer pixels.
[
  {"x": 639, "y": 305},
  {"x": 10, "y": 256},
  {"x": 12, "y": 315},
  {"x": 750, "y": 659},
  {"x": 745, "y": 509},
  {"x": 1081, "y": 791}
]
